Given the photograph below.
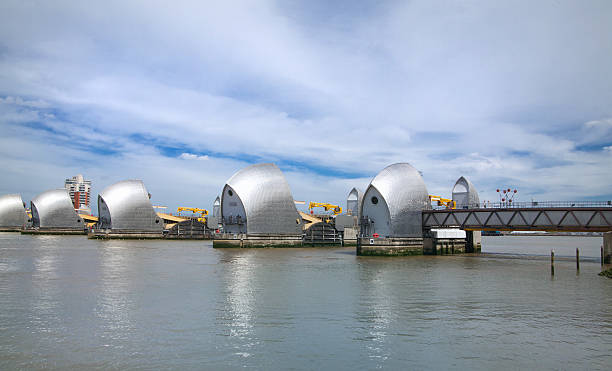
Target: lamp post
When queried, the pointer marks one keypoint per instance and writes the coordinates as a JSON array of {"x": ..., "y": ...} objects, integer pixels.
[{"x": 506, "y": 196}]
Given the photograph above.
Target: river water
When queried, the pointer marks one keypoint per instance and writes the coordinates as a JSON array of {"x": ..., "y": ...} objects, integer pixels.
[{"x": 71, "y": 303}]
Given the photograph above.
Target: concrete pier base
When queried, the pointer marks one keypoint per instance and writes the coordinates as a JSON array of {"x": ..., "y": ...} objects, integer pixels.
[
  {"x": 15, "y": 229},
  {"x": 254, "y": 241},
  {"x": 389, "y": 246},
  {"x": 607, "y": 248},
  {"x": 350, "y": 236},
  {"x": 444, "y": 246},
  {"x": 473, "y": 241},
  {"x": 54, "y": 231},
  {"x": 116, "y": 235}
]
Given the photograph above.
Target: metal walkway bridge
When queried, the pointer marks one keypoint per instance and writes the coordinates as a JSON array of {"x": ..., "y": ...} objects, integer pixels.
[{"x": 571, "y": 217}]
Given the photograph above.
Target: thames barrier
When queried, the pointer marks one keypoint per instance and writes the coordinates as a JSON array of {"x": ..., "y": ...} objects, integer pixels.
[{"x": 394, "y": 216}]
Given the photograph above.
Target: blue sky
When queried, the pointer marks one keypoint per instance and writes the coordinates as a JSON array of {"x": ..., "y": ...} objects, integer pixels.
[{"x": 515, "y": 94}]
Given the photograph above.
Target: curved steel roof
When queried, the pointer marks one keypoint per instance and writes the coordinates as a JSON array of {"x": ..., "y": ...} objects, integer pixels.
[
  {"x": 406, "y": 196},
  {"x": 354, "y": 197},
  {"x": 12, "y": 211},
  {"x": 355, "y": 194},
  {"x": 463, "y": 185},
  {"x": 129, "y": 207},
  {"x": 54, "y": 209},
  {"x": 216, "y": 206},
  {"x": 267, "y": 200}
]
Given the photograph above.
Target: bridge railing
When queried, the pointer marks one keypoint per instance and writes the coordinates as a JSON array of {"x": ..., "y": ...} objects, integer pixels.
[
  {"x": 536, "y": 204},
  {"x": 579, "y": 219}
]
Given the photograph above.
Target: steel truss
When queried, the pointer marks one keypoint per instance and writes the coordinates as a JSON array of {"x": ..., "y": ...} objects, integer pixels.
[{"x": 522, "y": 219}]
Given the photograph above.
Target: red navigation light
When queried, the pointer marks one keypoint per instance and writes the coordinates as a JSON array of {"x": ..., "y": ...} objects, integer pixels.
[
  {"x": 311, "y": 212},
  {"x": 375, "y": 235}
]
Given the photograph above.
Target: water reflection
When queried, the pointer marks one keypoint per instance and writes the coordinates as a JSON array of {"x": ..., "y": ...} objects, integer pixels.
[
  {"x": 239, "y": 299},
  {"x": 114, "y": 304},
  {"x": 375, "y": 311},
  {"x": 45, "y": 282}
]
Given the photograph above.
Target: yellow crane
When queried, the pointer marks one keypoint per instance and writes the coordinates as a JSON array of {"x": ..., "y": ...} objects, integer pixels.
[
  {"x": 449, "y": 204},
  {"x": 203, "y": 212},
  {"x": 334, "y": 208}
]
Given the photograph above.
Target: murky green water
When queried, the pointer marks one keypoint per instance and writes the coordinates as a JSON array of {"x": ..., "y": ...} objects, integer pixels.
[{"x": 72, "y": 303}]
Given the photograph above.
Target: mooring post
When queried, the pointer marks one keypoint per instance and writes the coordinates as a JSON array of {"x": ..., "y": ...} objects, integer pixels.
[
  {"x": 552, "y": 262},
  {"x": 577, "y": 260}
]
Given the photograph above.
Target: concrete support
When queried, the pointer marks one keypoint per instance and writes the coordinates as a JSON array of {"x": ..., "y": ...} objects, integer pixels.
[
  {"x": 350, "y": 236},
  {"x": 607, "y": 248},
  {"x": 52, "y": 231},
  {"x": 473, "y": 243},
  {"x": 444, "y": 246},
  {"x": 108, "y": 235},
  {"x": 246, "y": 241},
  {"x": 389, "y": 246}
]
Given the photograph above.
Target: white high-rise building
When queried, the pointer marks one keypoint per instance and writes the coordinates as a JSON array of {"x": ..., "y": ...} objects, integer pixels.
[{"x": 79, "y": 189}]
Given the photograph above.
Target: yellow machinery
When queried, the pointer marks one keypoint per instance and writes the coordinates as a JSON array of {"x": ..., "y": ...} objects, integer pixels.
[
  {"x": 90, "y": 220},
  {"x": 203, "y": 212},
  {"x": 449, "y": 204},
  {"x": 334, "y": 208}
]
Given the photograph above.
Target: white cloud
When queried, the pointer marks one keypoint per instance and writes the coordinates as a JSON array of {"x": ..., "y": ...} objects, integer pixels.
[
  {"x": 191, "y": 156},
  {"x": 19, "y": 101},
  {"x": 460, "y": 89}
]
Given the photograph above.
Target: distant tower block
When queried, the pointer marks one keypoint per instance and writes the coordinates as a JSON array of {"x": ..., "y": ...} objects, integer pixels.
[
  {"x": 125, "y": 208},
  {"x": 465, "y": 194},
  {"x": 79, "y": 190},
  {"x": 353, "y": 201},
  {"x": 53, "y": 211},
  {"x": 257, "y": 209},
  {"x": 391, "y": 220},
  {"x": 13, "y": 216}
]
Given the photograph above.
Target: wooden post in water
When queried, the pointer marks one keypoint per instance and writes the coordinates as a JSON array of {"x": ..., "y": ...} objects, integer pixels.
[
  {"x": 552, "y": 262},
  {"x": 577, "y": 260},
  {"x": 601, "y": 250}
]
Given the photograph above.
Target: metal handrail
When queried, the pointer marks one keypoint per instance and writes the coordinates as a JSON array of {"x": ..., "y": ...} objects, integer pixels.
[{"x": 538, "y": 204}]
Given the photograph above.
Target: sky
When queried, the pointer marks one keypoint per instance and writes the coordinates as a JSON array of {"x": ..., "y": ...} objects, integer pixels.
[{"x": 184, "y": 94}]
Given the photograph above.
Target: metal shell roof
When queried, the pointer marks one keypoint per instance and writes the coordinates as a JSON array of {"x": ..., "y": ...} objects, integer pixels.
[
  {"x": 267, "y": 200},
  {"x": 129, "y": 207},
  {"x": 405, "y": 194},
  {"x": 216, "y": 206},
  {"x": 462, "y": 186},
  {"x": 12, "y": 212},
  {"x": 354, "y": 197},
  {"x": 355, "y": 194},
  {"x": 54, "y": 209}
]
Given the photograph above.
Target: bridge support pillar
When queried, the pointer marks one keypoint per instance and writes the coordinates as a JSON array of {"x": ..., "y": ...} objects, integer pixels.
[
  {"x": 607, "y": 248},
  {"x": 473, "y": 241}
]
